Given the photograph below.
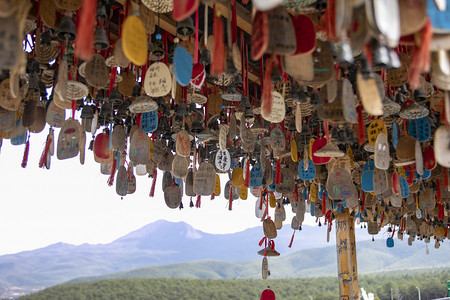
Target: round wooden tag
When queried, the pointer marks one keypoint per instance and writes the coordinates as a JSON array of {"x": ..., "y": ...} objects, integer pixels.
[
  {"x": 172, "y": 196},
  {"x": 134, "y": 40},
  {"x": 139, "y": 147},
  {"x": 204, "y": 179},
  {"x": 260, "y": 34},
  {"x": 158, "y": 80},
  {"x": 406, "y": 148},
  {"x": 277, "y": 140},
  {"x": 7, "y": 101},
  {"x": 270, "y": 231},
  {"x": 68, "y": 140},
  {"x": 166, "y": 161},
  {"x": 55, "y": 116},
  {"x": 300, "y": 66},
  {"x": 282, "y": 38}
]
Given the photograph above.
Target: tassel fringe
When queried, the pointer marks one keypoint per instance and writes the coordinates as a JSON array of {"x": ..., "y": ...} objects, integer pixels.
[
  {"x": 266, "y": 102},
  {"x": 84, "y": 44},
  {"x": 25, "y": 153},
  {"x": 113, "y": 173},
  {"x": 152, "y": 189},
  {"x": 218, "y": 55},
  {"x": 44, "y": 155},
  {"x": 198, "y": 203},
  {"x": 421, "y": 56}
]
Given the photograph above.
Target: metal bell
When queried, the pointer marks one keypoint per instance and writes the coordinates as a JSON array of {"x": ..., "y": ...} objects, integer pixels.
[
  {"x": 115, "y": 98},
  {"x": 197, "y": 127},
  {"x": 245, "y": 103},
  {"x": 380, "y": 55},
  {"x": 205, "y": 57},
  {"x": 276, "y": 75},
  {"x": 237, "y": 80},
  {"x": 181, "y": 111},
  {"x": 46, "y": 38},
  {"x": 100, "y": 96},
  {"x": 123, "y": 109},
  {"x": 291, "y": 127},
  {"x": 249, "y": 115},
  {"x": 67, "y": 30},
  {"x": 345, "y": 54},
  {"x": 136, "y": 91},
  {"x": 33, "y": 84},
  {"x": 231, "y": 69},
  {"x": 186, "y": 27},
  {"x": 157, "y": 49},
  {"x": 87, "y": 114},
  {"x": 101, "y": 41},
  {"x": 315, "y": 99},
  {"x": 101, "y": 13},
  {"x": 105, "y": 110},
  {"x": 419, "y": 95}
]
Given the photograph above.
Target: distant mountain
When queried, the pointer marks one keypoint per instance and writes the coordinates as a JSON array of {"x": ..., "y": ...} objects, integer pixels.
[
  {"x": 373, "y": 257},
  {"x": 158, "y": 243}
]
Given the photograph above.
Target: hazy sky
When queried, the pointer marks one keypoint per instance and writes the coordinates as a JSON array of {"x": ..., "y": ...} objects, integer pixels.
[{"x": 72, "y": 203}]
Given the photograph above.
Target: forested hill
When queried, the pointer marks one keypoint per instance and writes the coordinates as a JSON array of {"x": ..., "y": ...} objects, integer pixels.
[{"x": 432, "y": 285}]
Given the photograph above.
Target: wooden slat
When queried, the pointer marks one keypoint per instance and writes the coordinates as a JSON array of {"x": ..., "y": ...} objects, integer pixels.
[
  {"x": 343, "y": 256},
  {"x": 353, "y": 261}
]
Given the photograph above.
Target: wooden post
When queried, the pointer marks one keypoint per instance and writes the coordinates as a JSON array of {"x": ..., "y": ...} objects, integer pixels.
[{"x": 346, "y": 257}]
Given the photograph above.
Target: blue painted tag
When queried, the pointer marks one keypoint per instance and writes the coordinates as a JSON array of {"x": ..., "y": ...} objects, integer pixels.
[
  {"x": 21, "y": 138},
  {"x": 320, "y": 194},
  {"x": 367, "y": 181},
  {"x": 149, "y": 121},
  {"x": 369, "y": 166},
  {"x": 390, "y": 242},
  {"x": 272, "y": 186},
  {"x": 256, "y": 175},
  {"x": 182, "y": 66},
  {"x": 394, "y": 135},
  {"x": 310, "y": 173},
  {"x": 404, "y": 188},
  {"x": 424, "y": 128},
  {"x": 439, "y": 19},
  {"x": 426, "y": 174}
]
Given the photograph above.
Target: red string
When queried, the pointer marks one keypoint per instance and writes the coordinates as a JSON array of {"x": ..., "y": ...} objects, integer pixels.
[{"x": 196, "y": 37}]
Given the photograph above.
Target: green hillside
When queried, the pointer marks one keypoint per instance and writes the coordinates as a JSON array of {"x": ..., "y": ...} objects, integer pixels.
[{"x": 432, "y": 285}]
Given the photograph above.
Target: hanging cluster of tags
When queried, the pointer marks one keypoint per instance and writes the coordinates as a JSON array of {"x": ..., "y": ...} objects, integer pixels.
[{"x": 328, "y": 107}]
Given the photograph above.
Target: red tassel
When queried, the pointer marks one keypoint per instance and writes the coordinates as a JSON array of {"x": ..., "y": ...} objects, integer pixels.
[
  {"x": 266, "y": 97},
  {"x": 25, "y": 153},
  {"x": 152, "y": 189},
  {"x": 218, "y": 55},
  {"x": 330, "y": 20},
  {"x": 230, "y": 199},
  {"x": 213, "y": 196},
  {"x": 292, "y": 240},
  {"x": 438, "y": 191},
  {"x": 198, "y": 202},
  {"x": 421, "y": 56},
  {"x": 445, "y": 178},
  {"x": 410, "y": 178},
  {"x": 440, "y": 212},
  {"x": 361, "y": 127},
  {"x": 324, "y": 204},
  {"x": 84, "y": 44},
  {"x": 113, "y": 172},
  {"x": 261, "y": 201},
  {"x": 247, "y": 173},
  {"x": 44, "y": 155},
  {"x": 278, "y": 172}
]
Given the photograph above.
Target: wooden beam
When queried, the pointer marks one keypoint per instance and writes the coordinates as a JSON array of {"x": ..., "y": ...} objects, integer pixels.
[
  {"x": 343, "y": 256},
  {"x": 353, "y": 262}
]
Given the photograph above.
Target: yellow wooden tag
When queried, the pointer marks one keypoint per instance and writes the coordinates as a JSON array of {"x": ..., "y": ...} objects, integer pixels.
[
  {"x": 243, "y": 192},
  {"x": 237, "y": 178},
  {"x": 312, "y": 193},
  {"x": 401, "y": 172},
  {"x": 217, "y": 186},
  {"x": 375, "y": 128},
  {"x": 134, "y": 40},
  {"x": 151, "y": 147},
  {"x": 294, "y": 153},
  {"x": 350, "y": 155},
  {"x": 311, "y": 141},
  {"x": 272, "y": 200}
]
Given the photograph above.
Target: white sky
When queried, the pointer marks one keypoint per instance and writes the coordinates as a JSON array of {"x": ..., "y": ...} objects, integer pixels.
[{"x": 72, "y": 203}]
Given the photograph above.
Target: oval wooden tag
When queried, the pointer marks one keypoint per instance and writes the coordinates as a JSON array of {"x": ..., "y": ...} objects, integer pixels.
[
  {"x": 180, "y": 166},
  {"x": 282, "y": 39},
  {"x": 183, "y": 143},
  {"x": 7, "y": 101},
  {"x": 223, "y": 160},
  {"x": 182, "y": 66},
  {"x": 340, "y": 185},
  {"x": 375, "y": 128},
  {"x": 441, "y": 146},
  {"x": 68, "y": 140},
  {"x": 348, "y": 102},
  {"x": 122, "y": 181},
  {"x": 256, "y": 175},
  {"x": 278, "y": 111},
  {"x": 270, "y": 231},
  {"x": 158, "y": 80},
  {"x": 134, "y": 40},
  {"x": 287, "y": 184},
  {"x": 166, "y": 161},
  {"x": 382, "y": 152},
  {"x": 172, "y": 196},
  {"x": 277, "y": 140},
  {"x": 243, "y": 193},
  {"x": 139, "y": 147},
  {"x": 370, "y": 96},
  {"x": 204, "y": 179},
  {"x": 237, "y": 177},
  {"x": 97, "y": 72}
]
